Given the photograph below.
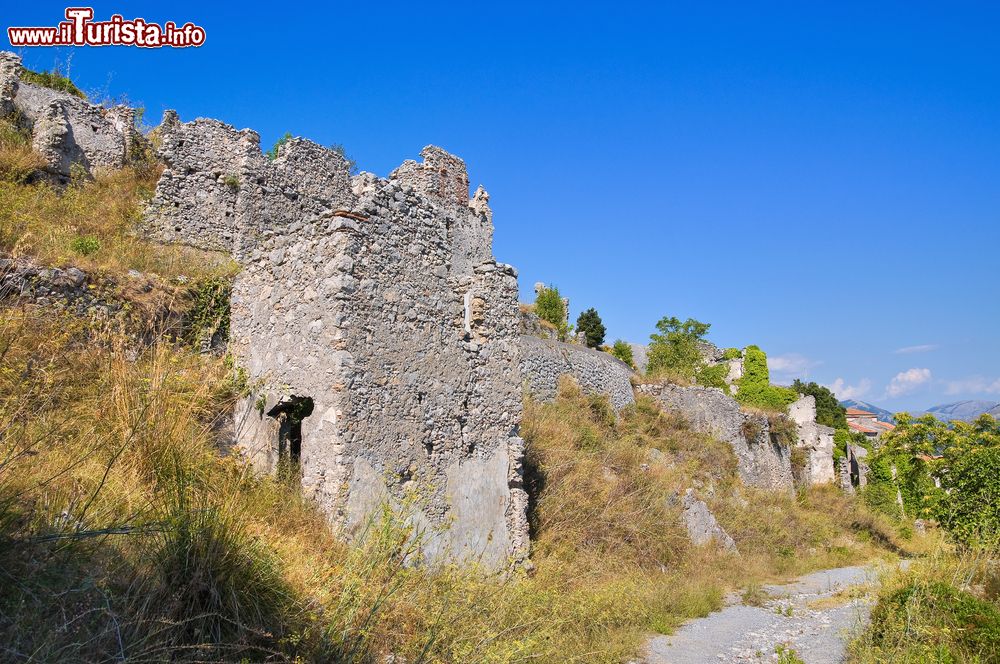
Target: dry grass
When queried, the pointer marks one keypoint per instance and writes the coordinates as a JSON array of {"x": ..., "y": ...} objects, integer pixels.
[
  {"x": 89, "y": 223},
  {"x": 944, "y": 607},
  {"x": 123, "y": 531}
]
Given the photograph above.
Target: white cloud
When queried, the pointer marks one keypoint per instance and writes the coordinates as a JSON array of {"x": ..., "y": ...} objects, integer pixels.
[
  {"x": 922, "y": 348},
  {"x": 907, "y": 381},
  {"x": 844, "y": 391},
  {"x": 973, "y": 385},
  {"x": 790, "y": 365}
]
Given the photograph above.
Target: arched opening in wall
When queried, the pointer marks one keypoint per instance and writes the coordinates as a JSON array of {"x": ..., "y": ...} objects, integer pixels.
[
  {"x": 855, "y": 471},
  {"x": 289, "y": 412}
]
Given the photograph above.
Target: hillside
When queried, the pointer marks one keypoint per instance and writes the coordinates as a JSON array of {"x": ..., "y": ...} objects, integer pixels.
[
  {"x": 965, "y": 411},
  {"x": 254, "y": 408}
]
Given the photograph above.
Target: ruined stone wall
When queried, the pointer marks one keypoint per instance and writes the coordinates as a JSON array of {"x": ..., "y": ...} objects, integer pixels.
[
  {"x": 762, "y": 462},
  {"x": 219, "y": 192},
  {"x": 815, "y": 439},
  {"x": 544, "y": 361},
  {"x": 380, "y": 303},
  {"x": 65, "y": 129}
]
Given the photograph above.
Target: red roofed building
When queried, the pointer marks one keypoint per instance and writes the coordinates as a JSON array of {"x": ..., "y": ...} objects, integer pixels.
[{"x": 867, "y": 423}]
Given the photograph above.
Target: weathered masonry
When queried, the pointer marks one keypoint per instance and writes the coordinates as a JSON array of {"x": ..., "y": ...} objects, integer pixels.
[
  {"x": 382, "y": 333},
  {"x": 65, "y": 129}
]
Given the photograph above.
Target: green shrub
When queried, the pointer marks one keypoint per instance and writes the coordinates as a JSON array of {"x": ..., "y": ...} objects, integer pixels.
[
  {"x": 935, "y": 621},
  {"x": 971, "y": 511},
  {"x": 232, "y": 181},
  {"x": 623, "y": 352},
  {"x": 549, "y": 306},
  {"x": 589, "y": 322},
  {"x": 53, "y": 80},
  {"x": 208, "y": 314},
  {"x": 755, "y": 389},
  {"x": 732, "y": 354},
  {"x": 86, "y": 245},
  {"x": 713, "y": 376},
  {"x": 674, "y": 349},
  {"x": 352, "y": 165}
]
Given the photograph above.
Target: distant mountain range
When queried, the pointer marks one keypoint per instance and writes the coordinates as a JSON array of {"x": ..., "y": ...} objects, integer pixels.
[{"x": 959, "y": 410}]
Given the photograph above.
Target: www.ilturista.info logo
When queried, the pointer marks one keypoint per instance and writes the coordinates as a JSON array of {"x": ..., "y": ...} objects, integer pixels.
[{"x": 79, "y": 29}]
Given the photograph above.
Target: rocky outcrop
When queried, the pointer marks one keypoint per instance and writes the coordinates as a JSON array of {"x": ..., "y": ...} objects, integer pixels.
[
  {"x": 761, "y": 461},
  {"x": 701, "y": 525},
  {"x": 544, "y": 361},
  {"x": 816, "y": 440},
  {"x": 382, "y": 333},
  {"x": 640, "y": 357},
  {"x": 65, "y": 129}
]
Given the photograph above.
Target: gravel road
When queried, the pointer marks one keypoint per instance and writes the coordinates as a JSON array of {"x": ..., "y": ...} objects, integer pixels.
[{"x": 815, "y": 616}]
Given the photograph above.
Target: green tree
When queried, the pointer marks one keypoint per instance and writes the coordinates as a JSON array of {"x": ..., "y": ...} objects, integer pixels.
[
  {"x": 549, "y": 306},
  {"x": 828, "y": 409},
  {"x": 674, "y": 349},
  {"x": 623, "y": 352},
  {"x": 589, "y": 322}
]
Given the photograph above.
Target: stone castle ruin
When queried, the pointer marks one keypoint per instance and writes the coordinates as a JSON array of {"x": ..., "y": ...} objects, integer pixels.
[
  {"x": 380, "y": 331},
  {"x": 385, "y": 347}
]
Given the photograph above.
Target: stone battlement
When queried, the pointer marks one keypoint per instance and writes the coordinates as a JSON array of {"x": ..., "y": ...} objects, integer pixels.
[{"x": 382, "y": 333}]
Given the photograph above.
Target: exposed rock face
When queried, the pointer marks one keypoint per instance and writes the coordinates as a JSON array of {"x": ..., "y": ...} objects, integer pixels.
[
  {"x": 65, "y": 129},
  {"x": 762, "y": 462},
  {"x": 640, "y": 356},
  {"x": 376, "y": 308},
  {"x": 701, "y": 524},
  {"x": 543, "y": 361},
  {"x": 815, "y": 439}
]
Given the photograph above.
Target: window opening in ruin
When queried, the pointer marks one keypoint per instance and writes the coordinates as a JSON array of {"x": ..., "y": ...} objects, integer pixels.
[{"x": 289, "y": 412}]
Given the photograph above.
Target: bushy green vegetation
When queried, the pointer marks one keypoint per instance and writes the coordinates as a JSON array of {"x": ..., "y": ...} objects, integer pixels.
[
  {"x": 829, "y": 412},
  {"x": 623, "y": 351},
  {"x": 755, "y": 389},
  {"x": 928, "y": 469},
  {"x": 945, "y": 608},
  {"x": 673, "y": 349},
  {"x": 550, "y": 308},
  {"x": 589, "y": 322},
  {"x": 713, "y": 376},
  {"x": 52, "y": 79},
  {"x": 732, "y": 354}
]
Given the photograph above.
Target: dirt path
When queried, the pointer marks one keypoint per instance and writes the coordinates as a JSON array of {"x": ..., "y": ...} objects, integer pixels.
[{"x": 815, "y": 616}]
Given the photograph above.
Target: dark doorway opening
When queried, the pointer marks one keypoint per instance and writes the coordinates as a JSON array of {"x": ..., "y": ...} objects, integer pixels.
[
  {"x": 289, "y": 412},
  {"x": 855, "y": 471}
]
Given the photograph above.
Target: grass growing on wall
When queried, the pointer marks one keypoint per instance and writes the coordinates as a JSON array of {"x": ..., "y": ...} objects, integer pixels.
[{"x": 90, "y": 223}]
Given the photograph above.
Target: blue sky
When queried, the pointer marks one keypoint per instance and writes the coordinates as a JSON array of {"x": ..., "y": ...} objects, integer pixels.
[{"x": 821, "y": 180}]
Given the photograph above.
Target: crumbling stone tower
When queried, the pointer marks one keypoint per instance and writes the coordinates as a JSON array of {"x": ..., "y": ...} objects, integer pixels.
[{"x": 382, "y": 334}]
